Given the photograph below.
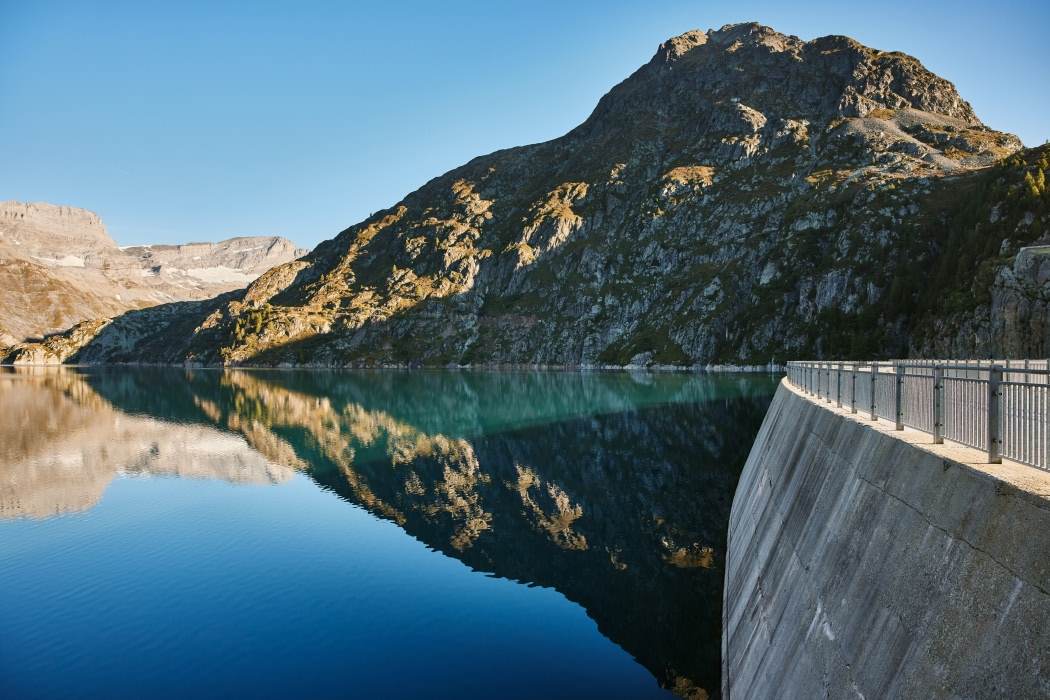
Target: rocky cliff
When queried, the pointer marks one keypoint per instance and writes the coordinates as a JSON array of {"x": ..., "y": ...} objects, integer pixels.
[
  {"x": 743, "y": 197},
  {"x": 59, "y": 266}
]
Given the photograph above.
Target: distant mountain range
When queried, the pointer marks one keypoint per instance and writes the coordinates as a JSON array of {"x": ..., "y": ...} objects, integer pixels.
[
  {"x": 745, "y": 196},
  {"x": 58, "y": 267}
]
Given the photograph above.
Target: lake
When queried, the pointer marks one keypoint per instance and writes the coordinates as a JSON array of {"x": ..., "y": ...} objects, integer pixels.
[{"x": 471, "y": 534}]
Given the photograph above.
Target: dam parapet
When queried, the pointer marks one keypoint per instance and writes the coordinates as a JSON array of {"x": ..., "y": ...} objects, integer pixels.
[
  {"x": 1001, "y": 407},
  {"x": 869, "y": 556}
]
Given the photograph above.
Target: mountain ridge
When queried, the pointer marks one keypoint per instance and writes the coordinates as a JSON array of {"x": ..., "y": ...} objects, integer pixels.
[
  {"x": 743, "y": 196},
  {"x": 62, "y": 267}
]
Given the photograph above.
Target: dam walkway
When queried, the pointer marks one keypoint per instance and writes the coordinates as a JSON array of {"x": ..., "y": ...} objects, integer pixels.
[{"x": 999, "y": 407}]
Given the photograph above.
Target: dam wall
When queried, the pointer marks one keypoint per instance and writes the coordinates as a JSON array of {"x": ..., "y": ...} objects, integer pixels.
[{"x": 863, "y": 562}]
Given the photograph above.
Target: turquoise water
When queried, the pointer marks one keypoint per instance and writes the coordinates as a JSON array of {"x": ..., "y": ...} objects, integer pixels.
[{"x": 166, "y": 533}]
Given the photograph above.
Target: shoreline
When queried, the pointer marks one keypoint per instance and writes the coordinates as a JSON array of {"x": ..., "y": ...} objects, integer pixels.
[{"x": 676, "y": 369}]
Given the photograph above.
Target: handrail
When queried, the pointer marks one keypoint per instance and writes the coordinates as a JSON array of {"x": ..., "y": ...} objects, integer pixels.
[{"x": 1001, "y": 407}]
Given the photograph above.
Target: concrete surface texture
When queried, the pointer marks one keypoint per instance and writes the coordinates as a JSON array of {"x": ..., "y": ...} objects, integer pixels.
[{"x": 863, "y": 563}]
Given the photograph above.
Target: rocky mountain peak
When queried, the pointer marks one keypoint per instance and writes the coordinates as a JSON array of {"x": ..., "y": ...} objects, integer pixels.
[
  {"x": 677, "y": 46},
  {"x": 738, "y": 94},
  {"x": 45, "y": 211},
  {"x": 737, "y": 34},
  {"x": 743, "y": 195},
  {"x": 70, "y": 228},
  {"x": 779, "y": 75}
]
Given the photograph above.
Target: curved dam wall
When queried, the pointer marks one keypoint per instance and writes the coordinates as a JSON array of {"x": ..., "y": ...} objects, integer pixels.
[{"x": 865, "y": 564}]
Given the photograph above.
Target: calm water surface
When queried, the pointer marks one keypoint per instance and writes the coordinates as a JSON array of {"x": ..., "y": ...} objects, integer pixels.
[{"x": 169, "y": 533}]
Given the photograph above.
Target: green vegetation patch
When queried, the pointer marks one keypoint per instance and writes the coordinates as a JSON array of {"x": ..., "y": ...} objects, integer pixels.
[{"x": 646, "y": 338}]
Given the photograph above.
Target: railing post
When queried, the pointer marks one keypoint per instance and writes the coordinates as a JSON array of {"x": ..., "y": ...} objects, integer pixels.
[
  {"x": 838, "y": 386},
  {"x": 898, "y": 398},
  {"x": 995, "y": 378},
  {"x": 874, "y": 383},
  {"x": 938, "y": 405},
  {"x": 831, "y": 395},
  {"x": 853, "y": 388}
]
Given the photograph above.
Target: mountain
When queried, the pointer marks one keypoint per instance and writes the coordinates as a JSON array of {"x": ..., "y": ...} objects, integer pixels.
[
  {"x": 745, "y": 196},
  {"x": 59, "y": 266}
]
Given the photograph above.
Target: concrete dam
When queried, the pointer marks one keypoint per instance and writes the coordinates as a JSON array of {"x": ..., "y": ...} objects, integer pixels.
[{"x": 866, "y": 561}]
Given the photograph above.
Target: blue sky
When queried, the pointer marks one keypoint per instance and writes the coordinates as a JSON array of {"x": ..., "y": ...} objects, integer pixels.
[{"x": 199, "y": 121}]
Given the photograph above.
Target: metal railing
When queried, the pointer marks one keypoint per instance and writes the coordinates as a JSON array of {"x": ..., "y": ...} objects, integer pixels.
[{"x": 1001, "y": 407}]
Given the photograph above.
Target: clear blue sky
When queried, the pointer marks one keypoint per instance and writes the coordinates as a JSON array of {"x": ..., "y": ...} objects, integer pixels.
[{"x": 197, "y": 121}]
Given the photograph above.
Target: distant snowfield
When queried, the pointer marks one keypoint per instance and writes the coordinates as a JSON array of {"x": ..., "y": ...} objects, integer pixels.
[{"x": 219, "y": 275}]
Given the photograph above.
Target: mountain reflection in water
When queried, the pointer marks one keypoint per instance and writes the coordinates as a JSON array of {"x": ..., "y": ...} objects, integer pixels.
[{"x": 614, "y": 489}]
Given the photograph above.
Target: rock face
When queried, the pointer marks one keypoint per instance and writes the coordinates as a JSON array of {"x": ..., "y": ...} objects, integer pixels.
[
  {"x": 229, "y": 264},
  {"x": 58, "y": 266},
  {"x": 745, "y": 196}
]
